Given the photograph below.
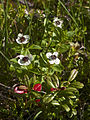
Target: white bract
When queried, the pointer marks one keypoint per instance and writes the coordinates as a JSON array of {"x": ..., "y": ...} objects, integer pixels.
[
  {"x": 22, "y": 39},
  {"x": 53, "y": 57},
  {"x": 57, "y": 22},
  {"x": 24, "y": 60}
]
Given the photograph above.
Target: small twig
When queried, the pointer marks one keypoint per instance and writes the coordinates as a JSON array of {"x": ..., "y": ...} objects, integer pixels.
[
  {"x": 5, "y": 86},
  {"x": 5, "y": 57},
  {"x": 7, "y": 98}
]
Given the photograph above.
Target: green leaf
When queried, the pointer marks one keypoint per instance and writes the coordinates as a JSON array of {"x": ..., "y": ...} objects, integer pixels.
[
  {"x": 37, "y": 115},
  {"x": 72, "y": 96},
  {"x": 14, "y": 60},
  {"x": 35, "y": 47},
  {"x": 43, "y": 57},
  {"x": 66, "y": 93},
  {"x": 61, "y": 99},
  {"x": 77, "y": 85},
  {"x": 58, "y": 68},
  {"x": 70, "y": 33},
  {"x": 29, "y": 66},
  {"x": 45, "y": 21},
  {"x": 63, "y": 48},
  {"x": 56, "y": 81},
  {"x": 36, "y": 94},
  {"x": 71, "y": 89},
  {"x": 55, "y": 102},
  {"x": 48, "y": 98},
  {"x": 71, "y": 102},
  {"x": 73, "y": 74},
  {"x": 74, "y": 111},
  {"x": 12, "y": 68},
  {"x": 50, "y": 83},
  {"x": 35, "y": 71},
  {"x": 66, "y": 107}
]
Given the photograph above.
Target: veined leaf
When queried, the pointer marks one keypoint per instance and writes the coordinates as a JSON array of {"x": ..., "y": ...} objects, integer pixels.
[
  {"x": 66, "y": 107},
  {"x": 73, "y": 74},
  {"x": 77, "y": 85},
  {"x": 55, "y": 102},
  {"x": 50, "y": 83},
  {"x": 56, "y": 81},
  {"x": 74, "y": 111},
  {"x": 71, "y": 89},
  {"x": 48, "y": 98},
  {"x": 72, "y": 96},
  {"x": 71, "y": 102},
  {"x": 66, "y": 93}
]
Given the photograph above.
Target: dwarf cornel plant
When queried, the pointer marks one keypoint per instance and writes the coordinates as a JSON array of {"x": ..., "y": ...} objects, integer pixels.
[{"x": 44, "y": 56}]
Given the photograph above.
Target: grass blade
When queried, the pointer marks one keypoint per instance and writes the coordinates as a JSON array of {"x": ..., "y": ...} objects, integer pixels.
[{"x": 69, "y": 13}]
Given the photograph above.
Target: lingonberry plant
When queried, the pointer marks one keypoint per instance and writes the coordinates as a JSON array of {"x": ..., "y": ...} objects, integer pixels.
[{"x": 44, "y": 59}]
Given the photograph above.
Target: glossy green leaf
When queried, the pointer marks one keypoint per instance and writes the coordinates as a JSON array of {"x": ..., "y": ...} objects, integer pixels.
[
  {"x": 48, "y": 98},
  {"x": 50, "y": 83},
  {"x": 55, "y": 102},
  {"x": 65, "y": 106},
  {"x": 71, "y": 89},
  {"x": 72, "y": 96},
  {"x": 74, "y": 111},
  {"x": 66, "y": 93},
  {"x": 77, "y": 85},
  {"x": 45, "y": 21},
  {"x": 71, "y": 102},
  {"x": 56, "y": 81},
  {"x": 73, "y": 74}
]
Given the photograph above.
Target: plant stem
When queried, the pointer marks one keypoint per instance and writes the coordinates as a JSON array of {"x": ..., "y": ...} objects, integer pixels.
[{"x": 69, "y": 13}]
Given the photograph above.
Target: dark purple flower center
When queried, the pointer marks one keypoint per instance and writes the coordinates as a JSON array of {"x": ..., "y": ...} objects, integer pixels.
[
  {"x": 25, "y": 59},
  {"x": 22, "y": 39},
  {"x": 53, "y": 57},
  {"x": 57, "y": 22}
]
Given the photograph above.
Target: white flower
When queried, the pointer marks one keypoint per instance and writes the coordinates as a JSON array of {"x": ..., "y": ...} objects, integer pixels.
[
  {"x": 22, "y": 39},
  {"x": 53, "y": 58},
  {"x": 24, "y": 60},
  {"x": 26, "y": 12},
  {"x": 57, "y": 22}
]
